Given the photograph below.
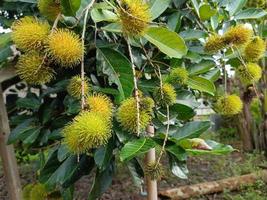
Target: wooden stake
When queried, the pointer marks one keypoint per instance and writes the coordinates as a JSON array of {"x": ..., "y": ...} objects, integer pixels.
[
  {"x": 8, "y": 155},
  {"x": 233, "y": 183},
  {"x": 152, "y": 192}
]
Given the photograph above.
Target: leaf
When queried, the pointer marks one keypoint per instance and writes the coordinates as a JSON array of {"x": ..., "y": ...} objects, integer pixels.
[
  {"x": 103, "y": 180},
  {"x": 119, "y": 70},
  {"x": 103, "y": 155},
  {"x": 63, "y": 152},
  {"x": 136, "y": 147},
  {"x": 196, "y": 6},
  {"x": 186, "y": 97},
  {"x": 190, "y": 130},
  {"x": 201, "y": 84},
  {"x": 184, "y": 112},
  {"x": 177, "y": 151},
  {"x": 5, "y": 39},
  {"x": 136, "y": 172},
  {"x": 112, "y": 27},
  {"x": 217, "y": 149},
  {"x": 33, "y": 135},
  {"x": 234, "y": 6},
  {"x": 21, "y": 131},
  {"x": 28, "y": 103},
  {"x": 5, "y": 53},
  {"x": 201, "y": 67},
  {"x": 250, "y": 13},
  {"x": 212, "y": 75},
  {"x": 99, "y": 15},
  {"x": 157, "y": 7},
  {"x": 206, "y": 12},
  {"x": 167, "y": 41},
  {"x": 70, "y": 7},
  {"x": 178, "y": 168},
  {"x": 193, "y": 34}
]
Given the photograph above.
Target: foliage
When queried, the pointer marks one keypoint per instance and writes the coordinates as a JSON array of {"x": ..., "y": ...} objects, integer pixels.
[{"x": 126, "y": 66}]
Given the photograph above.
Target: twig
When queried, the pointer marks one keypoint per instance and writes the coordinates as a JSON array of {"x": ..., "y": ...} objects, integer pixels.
[{"x": 136, "y": 92}]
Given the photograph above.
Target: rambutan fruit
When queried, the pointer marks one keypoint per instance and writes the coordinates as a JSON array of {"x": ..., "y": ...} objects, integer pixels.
[
  {"x": 256, "y": 4},
  {"x": 49, "y": 8},
  {"x": 229, "y": 105},
  {"x": 65, "y": 47},
  {"x": 254, "y": 50},
  {"x": 32, "y": 69},
  {"x": 127, "y": 116},
  {"x": 134, "y": 16},
  {"x": 153, "y": 170},
  {"x": 74, "y": 87},
  {"x": 88, "y": 130},
  {"x": 178, "y": 75},
  {"x": 238, "y": 35},
  {"x": 249, "y": 74},
  {"x": 29, "y": 33},
  {"x": 147, "y": 104},
  {"x": 100, "y": 104},
  {"x": 26, "y": 191},
  {"x": 38, "y": 192},
  {"x": 165, "y": 97},
  {"x": 214, "y": 43}
]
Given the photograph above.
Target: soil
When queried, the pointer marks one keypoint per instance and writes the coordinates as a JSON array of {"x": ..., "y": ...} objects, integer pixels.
[{"x": 203, "y": 168}]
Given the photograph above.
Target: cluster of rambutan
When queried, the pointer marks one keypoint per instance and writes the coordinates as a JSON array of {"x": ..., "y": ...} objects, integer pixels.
[
  {"x": 92, "y": 127},
  {"x": 41, "y": 47}
]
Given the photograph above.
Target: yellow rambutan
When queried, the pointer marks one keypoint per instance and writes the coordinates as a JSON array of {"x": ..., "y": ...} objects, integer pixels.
[
  {"x": 214, "y": 43},
  {"x": 134, "y": 16},
  {"x": 74, "y": 87},
  {"x": 65, "y": 47},
  {"x": 29, "y": 33},
  {"x": 178, "y": 75},
  {"x": 249, "y": 74},
  {"x": 127, "y": 115},
  {"x": 88, "y": 130},
  {"x": 27, "y": 191},
  {"x": 165, "y": 97},
  {"x": 32, "y": 69},
  {"x": 255, "y": 49},
  {"x": 38, "y": 192},
  {"x": 256, "y": 4},
  {"x": 229, "y": 105},
  {"x": 238, "y": 35},
  {"x": 49, "y": 8},
  {"x": 154, "y": 171},
  {"x": 100, "y": 104}
]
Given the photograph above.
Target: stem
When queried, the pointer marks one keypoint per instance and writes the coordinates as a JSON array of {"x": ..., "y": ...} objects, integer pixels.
[{"x": 136, "y": 93}]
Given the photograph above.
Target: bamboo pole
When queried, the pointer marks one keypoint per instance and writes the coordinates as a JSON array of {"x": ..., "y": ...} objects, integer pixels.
[
  {"x": 152, "y": 192},
  {"x": 8, "y": 155},
  {"x": 233, "y": 183}
]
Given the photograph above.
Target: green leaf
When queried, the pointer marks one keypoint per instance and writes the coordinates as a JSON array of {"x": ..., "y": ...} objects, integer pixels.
[
  {"x": 103, "y": 180},
  {"x": 28, "y": 103},
  {"x": 250, "y": 13},
  {"x": 112, "y": 27},
  {"x": 5, "y": 39},
  {"x": 217, "y": 149},
  {"x": 177, "y": 167},
  {"x": 5, "y": 52},
  {"x": 119, "y": 70},
  {"x": 193, "y": 34},
  {"x": 177, "y": 151},
  {"x": 186, "y": 97},
  {"x": 99, "y": 15},
  {"x": 212, "y": 75},
  {"x": 167, "y": 41},
  {"x": 33, "y": 135},
  {"x": 136, "y": 172},
  {"x": 202, "y": 67},
  {"x": 234, "y": 6},
  {"x": 63, "y": 152},
  {"x": 184, "y": 112},
  {"x": 196, "y": 6},
  {"x": 157, "y": 7},
  {"x": 136, "y": 147},
  {"x": 201, "y": 84},
  {"x": 103, "y": 155},
  {"x": 21, "y": 131},
  {"x": 70, "y": 7},
  {"x": 190, "y": 130},
  {"x": 206, "y": 12}
]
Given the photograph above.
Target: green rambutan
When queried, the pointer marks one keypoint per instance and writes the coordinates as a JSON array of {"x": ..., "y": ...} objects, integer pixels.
[
  {"x": 249, "y": 74},
  {"x": 27, "y": 191},
  {"x": 74, "y": 87},
  {"x": 178, "y": 75},
  {"x": 254, "y": 50},
  {"x": 32, "y": 69},
  {"x": 87, "y": 130},
  {"x": 49, "y": 8},
  {"x": 38, "y": 192},
  {"x": 154, "y": 171},
  {"x": 127, "y": 115},
  {"x": 134, "y": 16},
  {"x": 147, "y": 104},
  {"x": 229, "y": 105},
  {"x": 238, "y": 35},
  {"x": 65, "y": 47},
  {"x": 29, "y": 33},
  {"x": 100, "y": 104},
  {"x": 165, "y": 97},
  {"x": 257, "y": 4},
  {"x": 214, "y": 43}
]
